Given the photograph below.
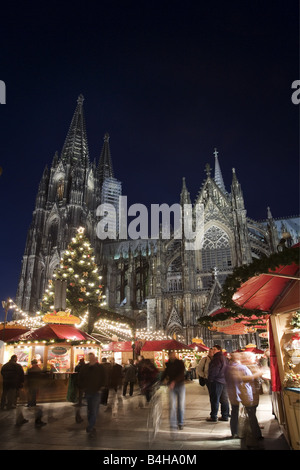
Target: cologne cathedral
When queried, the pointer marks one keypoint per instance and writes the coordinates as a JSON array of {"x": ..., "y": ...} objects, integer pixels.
[{"x": 157, "y": 282}]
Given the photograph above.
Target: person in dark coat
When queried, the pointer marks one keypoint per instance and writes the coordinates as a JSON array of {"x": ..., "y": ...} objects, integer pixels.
[
  {"x": 79, "y": 390},
  {"x": 13, "y": 380},
  {"x": 34, "y": 376},
  {"x": 115, "y": 385},
  {"x": 217, "y": 386},
  {"x": 175, "y": 374},
  {"x": 116, "y": 375},
  {"x": 107, "y": 367},
  {"x": 129, "y": 377},
  {"x": 91, "y": 379},
  {"x": 148, "y": 377}
]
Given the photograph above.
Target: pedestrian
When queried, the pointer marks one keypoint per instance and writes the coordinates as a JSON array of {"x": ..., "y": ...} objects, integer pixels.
[
  {"x": 33, "y": 381},
  {"x": 148, "y": 377},
  {"x": 107, "y": 378},
  {"x": 129, "y": 377},
  {"x": 78, "y": 389},
  {"x": 193, "y": 368},
  {"x": 139, "y": 366},
  {"x": 174, "y": 373},
  {"x": 13, "y": 380},
  {"x": 217, "y": 386},
  {"x": 115, "y": 385},
  {"x": 239, "y": 381},
  {"x": 91, "y": 379},
  {"x": 202, "y": 368},
  {"x": 249, "y": 360}
]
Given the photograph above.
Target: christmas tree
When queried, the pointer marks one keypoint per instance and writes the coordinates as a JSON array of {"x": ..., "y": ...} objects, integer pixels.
[{"x": 83, "y": 283}]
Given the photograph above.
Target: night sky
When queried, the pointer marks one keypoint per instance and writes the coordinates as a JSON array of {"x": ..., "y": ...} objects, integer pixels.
[{"x": 169, "y": 81}]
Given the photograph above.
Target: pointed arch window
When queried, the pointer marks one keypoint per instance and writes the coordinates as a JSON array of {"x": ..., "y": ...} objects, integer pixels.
[{"x": 216, "y": 249}]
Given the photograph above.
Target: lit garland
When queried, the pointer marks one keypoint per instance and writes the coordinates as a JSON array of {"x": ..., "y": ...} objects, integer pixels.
[
  {"x": 149, "y": 335},
  {"x": 29, "y": 321},
  {"x": 240, "y": 275},
  {"x": 109, "y": 328},
  {"x": 49, "y": 342}
]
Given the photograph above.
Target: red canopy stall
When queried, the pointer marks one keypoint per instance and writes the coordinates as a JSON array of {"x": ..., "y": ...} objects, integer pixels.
[
  {"x": 158, "y": 350},
  {"x": 58, "y": 348},
  {"x": 10, "y": 330},
  {"x": 199, "y": 347},
  {"x": 120, "y": 350},
  {"x": 274, "y": 290}
]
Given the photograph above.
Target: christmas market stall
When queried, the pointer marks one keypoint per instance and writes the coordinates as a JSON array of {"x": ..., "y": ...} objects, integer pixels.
[
  {"x": 270, "y": 286},
  {"x": 8, "y": 331},
  {"x": 158, "y": 351},
  {"x": 121, "y": 351},
  {"x": 57, "y": 346}
]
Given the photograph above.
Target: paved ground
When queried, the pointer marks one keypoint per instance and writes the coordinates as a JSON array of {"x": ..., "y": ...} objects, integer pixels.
[{"x": 128, "y": 430}]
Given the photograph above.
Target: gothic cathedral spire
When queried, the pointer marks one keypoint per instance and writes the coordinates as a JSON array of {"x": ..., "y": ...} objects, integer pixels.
[
  {"x": 218, "y": 174},
  {"x": 75, "y": 149},
  {"x": 105, "y": 168}
]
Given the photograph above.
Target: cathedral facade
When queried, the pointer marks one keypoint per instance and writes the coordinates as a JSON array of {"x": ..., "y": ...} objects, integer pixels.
[{"x": 155, "y": 281}]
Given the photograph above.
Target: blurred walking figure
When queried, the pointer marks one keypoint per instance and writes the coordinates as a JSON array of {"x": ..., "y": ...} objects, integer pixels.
[
  {"x": 13, "y": 380},
  {"x": 107, "y": 377},
  {"x": 217, "y": 386},
  {"x": 115, "y": 385},
  {"x": 239, "y": 381},
  {"x": 202, "y": 368},
  {"x": 91, "y": 379},
  {"x": 148, "y": 377},
  {"x": 33, "y": 381},
  {"x": 79, "y": 390},
  {"x": 139, "y": 367},
  {"x": 249, "y": 360},
  {"x": 129, "y": 377},
  {"x": 174, "y": 373}
]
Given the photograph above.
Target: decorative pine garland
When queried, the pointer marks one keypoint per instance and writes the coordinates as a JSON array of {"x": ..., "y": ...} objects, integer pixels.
[{"x": 240, "y": 275}]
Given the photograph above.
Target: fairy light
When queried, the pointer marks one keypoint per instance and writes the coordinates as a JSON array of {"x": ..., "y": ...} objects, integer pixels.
[
  {"x": 149, "y": 335},
  {"x": 109, "y": 328},
  {"x": 29, "y": 321}
]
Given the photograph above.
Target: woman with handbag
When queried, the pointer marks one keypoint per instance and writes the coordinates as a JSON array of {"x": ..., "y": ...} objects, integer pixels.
[{"x": 239, "y": 386}]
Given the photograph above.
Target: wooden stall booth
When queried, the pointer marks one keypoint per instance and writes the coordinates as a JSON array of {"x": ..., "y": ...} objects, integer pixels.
[
  {"x": 58, "y": 349},
  {"x": 8, "y": 331},
  {"x": 158, "y": 350},
  {"x": 274, "y": 289},
  {"x": 121, "y": 351},
  {"x": 285, "y": 329}
]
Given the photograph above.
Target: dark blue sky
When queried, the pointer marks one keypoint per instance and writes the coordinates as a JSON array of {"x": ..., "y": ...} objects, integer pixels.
[{"x": 169, "y": 80}]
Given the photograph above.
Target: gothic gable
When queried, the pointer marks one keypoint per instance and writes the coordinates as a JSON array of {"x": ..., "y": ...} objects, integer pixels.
[{"x": 174, "y": 323}]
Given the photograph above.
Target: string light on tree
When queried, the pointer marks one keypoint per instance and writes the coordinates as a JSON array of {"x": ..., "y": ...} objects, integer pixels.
[{"x": 84, "y": 288}]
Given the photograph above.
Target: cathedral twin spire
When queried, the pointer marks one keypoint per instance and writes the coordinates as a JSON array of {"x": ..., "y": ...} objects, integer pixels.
[{"x": 75, "y": 149}]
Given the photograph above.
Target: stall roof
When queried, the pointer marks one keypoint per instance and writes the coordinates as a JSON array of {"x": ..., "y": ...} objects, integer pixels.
[
  {"x": 199, "y": 346},
  {"x": 118, "y": 346},
  {"x": 261, "y": 292},
  {"x": 54, "y": 331},
  {"x": 10, "y": 332},
  {"x": 167, "y": 344},
  {"x": 252, "y": 320},
  {"x": 253, "y": 350}
]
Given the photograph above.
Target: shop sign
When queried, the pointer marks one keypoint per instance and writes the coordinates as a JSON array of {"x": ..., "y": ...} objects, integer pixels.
[
  {"x": 223, "y": 323},
  {"x": 64, "y": 318},
  {"x": 59, "y": 351}
]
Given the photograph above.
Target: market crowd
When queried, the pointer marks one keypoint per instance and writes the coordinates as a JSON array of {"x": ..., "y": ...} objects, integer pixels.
[{"x": 233, "y": 383}]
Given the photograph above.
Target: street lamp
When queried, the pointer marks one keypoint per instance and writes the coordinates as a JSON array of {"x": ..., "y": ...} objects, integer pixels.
[{"x": 7, "y": 305}]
